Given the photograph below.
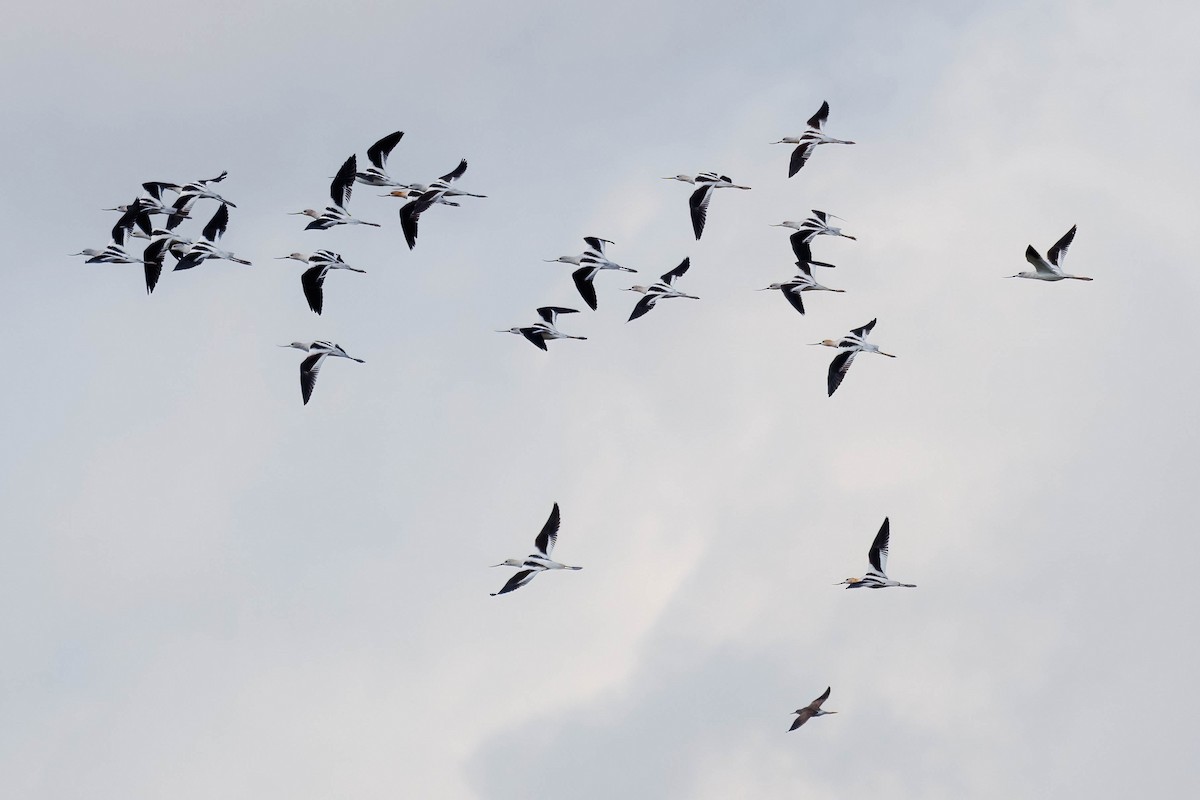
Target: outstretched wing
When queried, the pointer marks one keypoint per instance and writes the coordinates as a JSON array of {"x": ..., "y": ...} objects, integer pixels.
[
  {"x": 343, "y": 182},
  {"x": 838, "y": 369},
  {"x": 864, "y": 330},
  {"x": 818, "y": 119},
  {"x": 378, "y": 153},
  {"x": 550, "y": 313},
  {"x": 1040, "y": 264},
  {"x": 311, "y": 281},
  {"x": 548, "y": 536},
  {"x": 800, "y": 157},
  {"x": 216, "y": 226},
  {"x": 596, "y": 243},
  {"x": 699, "y": 206},
  {"x": 583, "y": 282},
  {"x": 1059, "y": 250},
  {"x": 517, "y": 581},
  {"x": 669, "y": 277},
  {"x": 879, "y": 549},
  {"x": 534, "y": 336},
  {"x": 309, "y": 368},
  {"x": 793, "y": 298},
  {"x": 643, "y": 306},
  {"x": 455, "y": 173}
]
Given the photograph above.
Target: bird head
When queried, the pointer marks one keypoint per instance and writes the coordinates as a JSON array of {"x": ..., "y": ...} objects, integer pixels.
[{"x": 849, "y": 582}]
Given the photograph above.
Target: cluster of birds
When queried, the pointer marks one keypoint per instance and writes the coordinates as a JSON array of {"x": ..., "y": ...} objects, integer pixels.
[{"x": 137, "y": 221}]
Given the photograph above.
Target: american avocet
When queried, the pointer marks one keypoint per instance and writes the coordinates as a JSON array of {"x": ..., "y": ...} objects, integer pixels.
[
  {"x": 437, "y": 191},
  {"x": 876, "y": 577},
  {"x": 1050, "y": 268},
  {"x": 595, "y": 247},
  {"x": 698, "y": 202},
  {"x": 541, "y": 332},
  {"x": 339, "y": 192},
  {"x": 539, "y": 561},
  {"x": 811, "y": 710},
  {"x": 200, "y": 189},
  {"x": 807, "y": 142},
  {"x": 590, "y": 264},
  {"x": 665, "y": 288},
  {"x": 206, "y": 248},
  {"x": 812, "y": 227},
  {"x": 310, "y": 366},
  {"x": 801, "y": 283},
  {"x": 851, "y": 344},
  {"x": 377, "y": 154}
]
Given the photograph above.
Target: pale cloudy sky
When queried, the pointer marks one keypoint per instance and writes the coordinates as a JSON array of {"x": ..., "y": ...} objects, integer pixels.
[{"x": 211, "y": 590}]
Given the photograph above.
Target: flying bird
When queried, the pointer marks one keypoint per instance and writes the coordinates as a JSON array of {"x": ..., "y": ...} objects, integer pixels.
[
  {"x": 807, "y": 142},
  {"x": 312, "y": 280},
  {"x": 538, "y": 561},
  {"x": 377, "y": 154},
  {"x": 801, "y": 283},
  {"x": 876, "y": 577},
  {"x": 706, "y": 182},
  {"x": 590, "y": 263},
  {"x": 197, "y": 189},
  {"x": 800, "y": 245},
  {"x": 311, "y": 365},
  {"x": 665, "y": 288},
  {"x": 811, "y": 710},
  {"x": 206, "y": 248},
  {"x": 339, "y": 193},
  {"x": 850, "y": 345},
  {"x": 436, "y": 192},
  {"x": 1050, "y": 268},
  {"x": 811, "y": 228},
  {"x": 541, "y": 332}
]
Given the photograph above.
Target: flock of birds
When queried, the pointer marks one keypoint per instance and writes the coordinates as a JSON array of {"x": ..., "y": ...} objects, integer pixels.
[{"x": 178, "y": 203}]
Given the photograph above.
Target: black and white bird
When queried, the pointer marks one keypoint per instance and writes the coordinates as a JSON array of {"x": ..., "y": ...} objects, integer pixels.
[
  {"x": 590, "y": 262},
  {"x": 1050, "y": 268},
  {"x": 410, "y": 212},
  {"x": 541, "y": 332},
  {"x": 198, "y": 190},
  {"x": 814, "y": 226},
  {"x": 811, "y": 710},
  {"x": 706, "y": 183},
  {"x": 876, "y": 577},
  {"x": 206, "y": 248},
  {"x": 802, "y": 249},
  {"x": 318, "y": 351},
  {"x": 377, "y": 154},
  {"x": 807, "y": 142},
  {"x": 539, "y": 561},
  {"x": 664, "y": 289},
  {"x": 850, "y": 345},
  {"x": 800, "y": 283},
  {"x": 339, "y": 191}
]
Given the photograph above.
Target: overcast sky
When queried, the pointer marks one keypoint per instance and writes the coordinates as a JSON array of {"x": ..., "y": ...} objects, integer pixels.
[{"x": 211, "y": 590}]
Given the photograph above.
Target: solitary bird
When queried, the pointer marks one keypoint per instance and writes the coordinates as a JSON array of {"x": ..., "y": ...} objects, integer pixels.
[
  {"x": 339, "y": 193},
  {"x": 311, "y": 365},
  {"x": 811, "y": 710},
  {"x": 436, "y": 192},
  {"x": 706, "y": 182},
  {"x": 1050, "y": 268},
  {"x": 665, "y": 288},
  {"x": 851, "y": 344},
  {"x": 541, "y": 332},
  {"x": 539, "y": 561},
  {"x": 876, "y": 577},
  {"x": 812, "y": 227},
  {"x": 807, "y": 142},
  {"x": 590, "y": 263},
  {"x": 206, "y": 248},
  {"x": 377, "y": 154},
  {"x": 801, "y": 283}
]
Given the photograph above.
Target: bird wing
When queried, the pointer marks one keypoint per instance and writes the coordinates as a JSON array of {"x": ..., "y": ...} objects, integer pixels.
[
  {"x": 182, "y": 205},
  {"x": 153, "y": 270},
  {"x": 800, "y": 157},
  {"x": 816, "y": 704},
  {"x": 216, "y": 226},
  {"x": 378, "y": 153},
  {"x": 190, "y": 260},
  {"x": 596, "y": 243},
  {"x": 309, "y": 368},
  {"x": 534, "y": 336},
  {"x": 699, "y": 206},
  {"x": 1043, "y": 266},
  {"x": 455, "y": 173},
  {"x": 864, "y": 330},
  {"x": 410, "y": 212},
  {"x": 217, "y": 179},
  {"x": 311, "y": 280},
  {"x": 583, "y": 282},
  {"x": 879, "y": 549},
  {"x": 818, "y": 119},
  {"x": 548, "y": 536},
  {"x": 343, "y": 182},
  {"x": 800, "y": 245},
  {"x": 793, "y": 298},
  {"x": 821, "y": 215},
  {"x": 156, "y": 188},
  {"x": 1059, "y": 250},
  {"x": 550, "y": 313},
  {"x": 669, "y": 277},
  {"x": 643, "y": 306},
  {"x": 838, "y": 369},
  {"x": 517, "y": 581},
  {"x": 802, "y": 716}
]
